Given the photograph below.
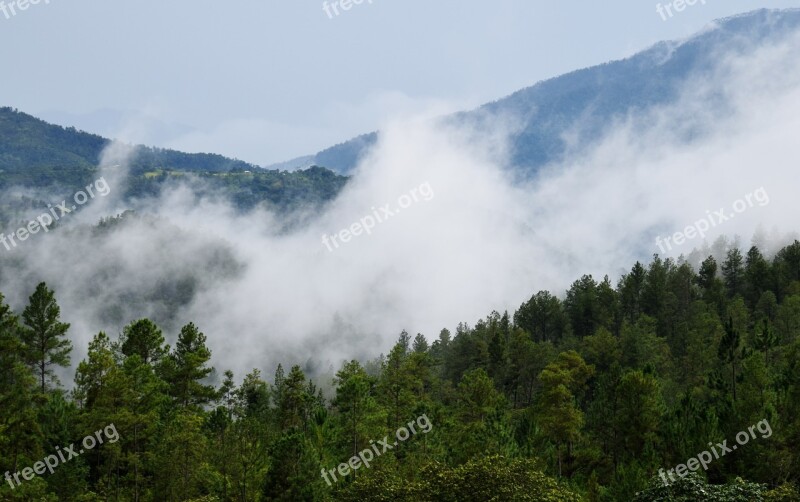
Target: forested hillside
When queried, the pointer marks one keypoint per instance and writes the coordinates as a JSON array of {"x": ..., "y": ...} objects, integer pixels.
[
  {"x": 46, "y": 151},
  {"x": 591, "y": 395},
  {"x": 52, "y": 161}
]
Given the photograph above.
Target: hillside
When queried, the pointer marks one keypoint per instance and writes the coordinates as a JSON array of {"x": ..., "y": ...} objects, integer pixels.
[
  {"x": 582, "y": 103},
  {"x": 35, "y": 151},
  {"x": 53, "y": 159}
]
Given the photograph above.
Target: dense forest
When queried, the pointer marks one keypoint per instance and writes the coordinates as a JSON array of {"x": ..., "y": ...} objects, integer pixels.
[{"x": 591, "y": 395}]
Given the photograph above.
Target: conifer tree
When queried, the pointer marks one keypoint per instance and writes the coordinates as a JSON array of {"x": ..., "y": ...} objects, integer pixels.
[{"x": 44, "y": 336}]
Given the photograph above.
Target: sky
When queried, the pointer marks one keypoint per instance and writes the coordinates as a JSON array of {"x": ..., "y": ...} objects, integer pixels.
[{"x": 269, "y": 80}]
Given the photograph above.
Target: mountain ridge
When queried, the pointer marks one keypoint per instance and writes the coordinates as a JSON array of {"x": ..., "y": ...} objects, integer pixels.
[
  {"x": 32, "y": 143},
  {"x": 587, "y": 99}
]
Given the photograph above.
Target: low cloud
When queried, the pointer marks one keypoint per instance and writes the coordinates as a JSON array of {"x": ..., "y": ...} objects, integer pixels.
[{"x": 483, "y": 242}]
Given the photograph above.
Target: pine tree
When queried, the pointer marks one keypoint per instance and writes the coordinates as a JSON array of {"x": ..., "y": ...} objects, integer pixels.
[
  {"x": 543, "y": 317},
  {"x": 732, "y": 352},
  {"x": 640, "y": 411},
  {"x": 560, "y": 417},
  {"x": 144, "y": 339},
  {"x": 757, "y": 274},
  {"x": 712, "y": 288},
  {"x": 787, "y": 267},
  {"x": 185, "y": 368},
  {"x": 180, "y": 456},
  {"x": 20, "y": 433},
  {"x": 147, "y": 396},
  {"x": 733, "y": 272},
  {"x": 251, "y": 434},
  {"x": 294, "y": 406},
  {"x": 420, "y": 344},
  {"x": 766, "y": 341},
  {"x": 631, "y": 287},
  {"x": 583, "y": 307},
  {"x": 358, "y": 412},
  {"x": 44, "y": 336},
  {"x": 396, "y": 386}
]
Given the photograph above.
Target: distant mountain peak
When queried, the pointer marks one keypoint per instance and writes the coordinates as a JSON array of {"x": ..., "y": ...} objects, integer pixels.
[{"x": 588, "y": 99}]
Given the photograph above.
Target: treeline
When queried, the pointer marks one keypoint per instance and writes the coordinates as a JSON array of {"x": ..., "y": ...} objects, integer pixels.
[
  {"x": 279, "y": 191},
  {"x": 581, "y": 398},
  {"x": 58, "y": 160},
  {"x": 39, "y": 153}
]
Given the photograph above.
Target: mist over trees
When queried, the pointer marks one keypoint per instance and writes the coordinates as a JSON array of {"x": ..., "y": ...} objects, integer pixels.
[{"x": 581, "y": 396}]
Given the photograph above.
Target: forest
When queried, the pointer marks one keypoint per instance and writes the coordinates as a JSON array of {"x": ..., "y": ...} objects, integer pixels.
[
  {"x": 586, "y": 395},
  {"x": 43, "y": 161}
]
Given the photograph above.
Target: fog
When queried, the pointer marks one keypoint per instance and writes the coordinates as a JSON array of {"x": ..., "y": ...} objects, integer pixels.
[{"x": 475, "y": 240}]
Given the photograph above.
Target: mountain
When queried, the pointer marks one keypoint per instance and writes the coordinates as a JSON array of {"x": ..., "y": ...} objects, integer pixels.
[
  {"x": 53, "y": 159},
  {"x": 571, "y": 111},
  {"x": 32, "y": 147}
]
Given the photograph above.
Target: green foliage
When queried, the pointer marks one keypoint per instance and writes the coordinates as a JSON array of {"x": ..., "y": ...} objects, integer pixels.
[
  {"x": 185, "y": 368},
  {"x": 143, "y": 338},
  {"x": 569, "y": 400},
  {"x": 693, "y": 488},
  {"x": 488, "y": 479},
  {"x": 44, "y": 336},
  {"x": 61, "y": 160},
  {"x": 561, "y": 418},
  {"x": 20, "y": 432},
  {"x": 783, "y": 493}
]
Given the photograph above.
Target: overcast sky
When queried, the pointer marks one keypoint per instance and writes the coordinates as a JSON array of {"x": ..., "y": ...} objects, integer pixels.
[{"x": 268, "y": 80}]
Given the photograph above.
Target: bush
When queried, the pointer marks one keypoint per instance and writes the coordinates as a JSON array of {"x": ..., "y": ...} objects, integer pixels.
[{"x": 693, "y": 488}]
